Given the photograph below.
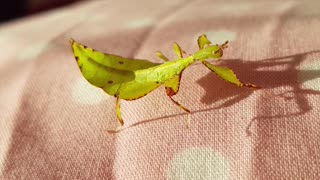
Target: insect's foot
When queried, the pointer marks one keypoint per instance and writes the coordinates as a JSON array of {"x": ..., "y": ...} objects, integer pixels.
[
  {"x": 185, "y": 109},
  {"x": 251, "y": 86},
  {"x": 118, "y": 129}
]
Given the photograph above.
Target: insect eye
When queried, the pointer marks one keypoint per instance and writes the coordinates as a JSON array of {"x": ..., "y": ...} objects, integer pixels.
[{"x": 219, "y": 51}]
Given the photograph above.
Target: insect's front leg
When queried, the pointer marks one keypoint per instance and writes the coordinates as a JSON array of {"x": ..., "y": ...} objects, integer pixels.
[
  {"x": 203, "y": 41},
  {"x": 177, "y": 50},
  {"x": 161, "y": 56},
  {"x": 228, "y": 75}
]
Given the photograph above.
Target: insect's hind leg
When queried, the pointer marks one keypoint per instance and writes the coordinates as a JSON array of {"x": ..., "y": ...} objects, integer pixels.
[{"x": 118, "y": 112}]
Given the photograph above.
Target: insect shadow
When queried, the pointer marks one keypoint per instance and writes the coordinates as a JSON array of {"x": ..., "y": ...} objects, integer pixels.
[
  {"x": 270, "y": 78},
  {"x": 254, "y": 72}
]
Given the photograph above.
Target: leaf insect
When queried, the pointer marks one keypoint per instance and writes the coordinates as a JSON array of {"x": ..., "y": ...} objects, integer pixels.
[{"x": 131, "y": 79}]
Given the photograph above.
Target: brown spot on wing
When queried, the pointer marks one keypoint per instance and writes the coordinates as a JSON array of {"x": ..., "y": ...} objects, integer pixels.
[
  {"x": 121, "y": 62},
  {"x": 110, "y": 82}
]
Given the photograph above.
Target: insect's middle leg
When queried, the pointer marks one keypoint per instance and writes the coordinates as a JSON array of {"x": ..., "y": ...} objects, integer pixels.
[{"x": 172, "y": 88}]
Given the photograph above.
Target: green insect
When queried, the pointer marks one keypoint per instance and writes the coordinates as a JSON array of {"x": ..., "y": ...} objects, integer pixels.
[{"x": 131, "y": 79}]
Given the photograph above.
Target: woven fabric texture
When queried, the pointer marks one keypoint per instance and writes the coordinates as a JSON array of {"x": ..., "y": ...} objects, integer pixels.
[{"x": 53, "y": 122}]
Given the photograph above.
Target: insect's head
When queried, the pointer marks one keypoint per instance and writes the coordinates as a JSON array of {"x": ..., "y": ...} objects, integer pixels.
[
  {"x": 219, "y": 53},
  {"x": 211, "y": 52}
]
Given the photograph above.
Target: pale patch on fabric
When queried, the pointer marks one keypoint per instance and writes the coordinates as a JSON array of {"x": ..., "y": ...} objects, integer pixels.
[
  {"x": 198, "y": 163},
  {"x": 140, "y": 23},
  {"x": 236, "y": 8},
  {"x": 5, "y": 38},
  {"x": 84, "y": 93},
  {"x": 309, "y": 75},
  {"x": 219, "y": 37},
  {"x": 32, "y": 51},
  {"x": 8, "y": 48}
]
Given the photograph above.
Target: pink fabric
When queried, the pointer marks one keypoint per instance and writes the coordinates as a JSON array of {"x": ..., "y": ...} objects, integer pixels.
[{"x": 53, "y": 123}]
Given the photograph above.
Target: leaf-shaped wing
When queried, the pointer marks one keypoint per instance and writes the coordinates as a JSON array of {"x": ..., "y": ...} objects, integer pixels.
[
  {"x": 105, "y": 70},
  {"x": 110, "y": 60}
]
